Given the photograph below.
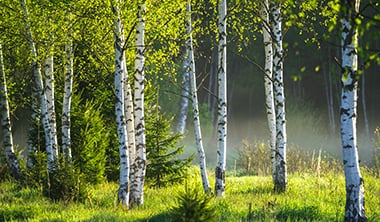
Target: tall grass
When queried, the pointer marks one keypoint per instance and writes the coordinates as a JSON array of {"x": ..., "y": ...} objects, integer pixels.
[{"x": 248, "y": 198}]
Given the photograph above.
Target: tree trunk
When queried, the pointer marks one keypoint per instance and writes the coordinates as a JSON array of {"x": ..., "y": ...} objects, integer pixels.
[
  {"x": 220, "y": 170},
  {"x": 268, "y": 82},
  {"x": 193, "y": 86},
  {"x": 184, "y": 103},
  {"x": 120, "y": 73},
  {"x": 49, "y": 92},
  {"x": 365, "y": 116},
  {"x": 280, "y": 177},
  {"x": 35, "y": 121},
  {"x": 50, "y": 153},
  {"x": 139, "y": 76},
  {"x": 66, "y": 104},
  {"x": 129, "y": 113},
  {"x": 354, "y": 210},
  {"x": 331, "y": 95},
  {"x": 6, "y": 124}
]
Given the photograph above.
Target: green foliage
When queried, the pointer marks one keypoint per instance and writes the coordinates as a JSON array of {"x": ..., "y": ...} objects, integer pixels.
[
  {"x": 65, "y": 182},
  {"x": 254, "y": 158},
  {"x": 90, "y": 140},
  {"x": 309, "y": 198},
  {"x": 193, "y": 205},
  {"x": 164, "y": 165}
]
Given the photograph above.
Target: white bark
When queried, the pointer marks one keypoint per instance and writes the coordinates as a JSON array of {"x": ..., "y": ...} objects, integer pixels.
[
  {"x": 354, "y": 210},
  {"x": 49, "y": 92},
  {"x": 268, "y": 82},
  {"x": 129, "y": 113},
  {"x": 120, "y": 72},
  {"x": 6, "y": 123},
  {"x": 194, "y": 97},
  {"x": 184, "y": 102},
  {"x": 222, "y": 100},
  {"x": 50, "y": 154},
  {"x": 280, "y": 177},
  {"x": 35, "y": 121},
  {"x": 66, "y": 105},
  {"x": 139, "y": 76}
]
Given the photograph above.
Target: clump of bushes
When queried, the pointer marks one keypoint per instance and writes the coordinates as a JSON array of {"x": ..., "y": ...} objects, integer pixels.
[{"x": 255, "y": 159}]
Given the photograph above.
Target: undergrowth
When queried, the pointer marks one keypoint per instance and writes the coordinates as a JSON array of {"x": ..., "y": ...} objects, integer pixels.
[{"x": 248, "y": 198}]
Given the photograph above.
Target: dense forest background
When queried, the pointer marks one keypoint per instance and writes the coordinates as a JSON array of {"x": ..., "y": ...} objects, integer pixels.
[{"x": 311, "y": 71}]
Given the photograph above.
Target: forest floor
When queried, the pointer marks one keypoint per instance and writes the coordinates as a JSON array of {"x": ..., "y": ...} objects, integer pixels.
[{"x": 247, "y": 198}]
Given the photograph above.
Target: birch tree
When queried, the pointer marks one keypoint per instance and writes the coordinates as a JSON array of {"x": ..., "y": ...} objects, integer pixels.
[
  {"x": 194, "y": 97},
  {"x": 280, "y": 171},
  {"x": 49, "y": 92},
  {"x": 120, "y": 73},
  {"x": 268, "y": 82},
  {"x": 354, "y": 210},
  {"x": 139, "y": 76},
  {"x": 6, "y": 123},
  {"x": 37, "y": 74},
  {"x": 222, "y": 99},
  {"x": 184, "y": 102},
  {"x": 129, "y": 113},
  {"x": 66, "y": 104}
]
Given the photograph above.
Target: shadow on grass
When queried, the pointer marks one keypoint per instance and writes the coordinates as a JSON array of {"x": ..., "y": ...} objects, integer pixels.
[
  {"x": 162, "y": 217},
  {"x": 307, "y": 213},
  {"x": 15, "y": 214},
  {"x": 256, "y": 190}
]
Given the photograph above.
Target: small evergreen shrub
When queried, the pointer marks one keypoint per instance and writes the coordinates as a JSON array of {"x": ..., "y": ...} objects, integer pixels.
[
  {"x": 164, "y": 165},
  {"x": 90, "y": 140},
  {"x": 193, "y": 205}
]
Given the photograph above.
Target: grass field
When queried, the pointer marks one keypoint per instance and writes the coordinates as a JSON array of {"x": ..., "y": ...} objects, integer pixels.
[{"x": 248, "y": 198}]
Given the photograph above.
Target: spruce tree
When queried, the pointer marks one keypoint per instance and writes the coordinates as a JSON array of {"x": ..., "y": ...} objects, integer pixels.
[{"x": 164, "y": 166}]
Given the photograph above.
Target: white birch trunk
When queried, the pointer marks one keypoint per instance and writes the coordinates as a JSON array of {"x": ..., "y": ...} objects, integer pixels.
[
  {"x": 35, "y": 121},
  {"x": 268, "y": 82},
  {"x": 66, "y": 104},
  {"x": 280, "y": 177},
  {"x": 220, "y": 170},
  {"x": 364, "y": 103},
  {"x": 49, "y": 92},
  {"x": 129, "y": 113},
  {"x": 6, "y": 124},
  {"x": 120, "y": 72},
  {"x": 50, "y": 154},
  {"x": 139, "y": 76},
  {"x": 184, "y": 103},
  {"x": 354, "y": 210},
  {"x": 194, "y": 97}
]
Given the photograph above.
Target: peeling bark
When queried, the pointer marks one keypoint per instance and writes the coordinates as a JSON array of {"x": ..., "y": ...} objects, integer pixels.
[
  {"x": 66, "y": 104},
  {"x": 222, "y": 100},
  {"x": 10, "y": 155},
  {"x": 268, "y": 82},
  {"x": 50, "y": 153},
  {"x": 194, "y": 97},
  {"x": 280, "y": 177},
  {"x": 120, "y": 73},
  {"x": 354, "y": 210},
  {"x": 139, "y": 76}
]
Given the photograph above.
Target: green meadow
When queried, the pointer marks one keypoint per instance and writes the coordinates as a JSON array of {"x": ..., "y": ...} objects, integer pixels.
[{"x": 248, "y": 198}]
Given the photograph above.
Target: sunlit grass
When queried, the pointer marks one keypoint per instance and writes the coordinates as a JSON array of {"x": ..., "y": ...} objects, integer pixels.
[{"x": 308, "y": 198}]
